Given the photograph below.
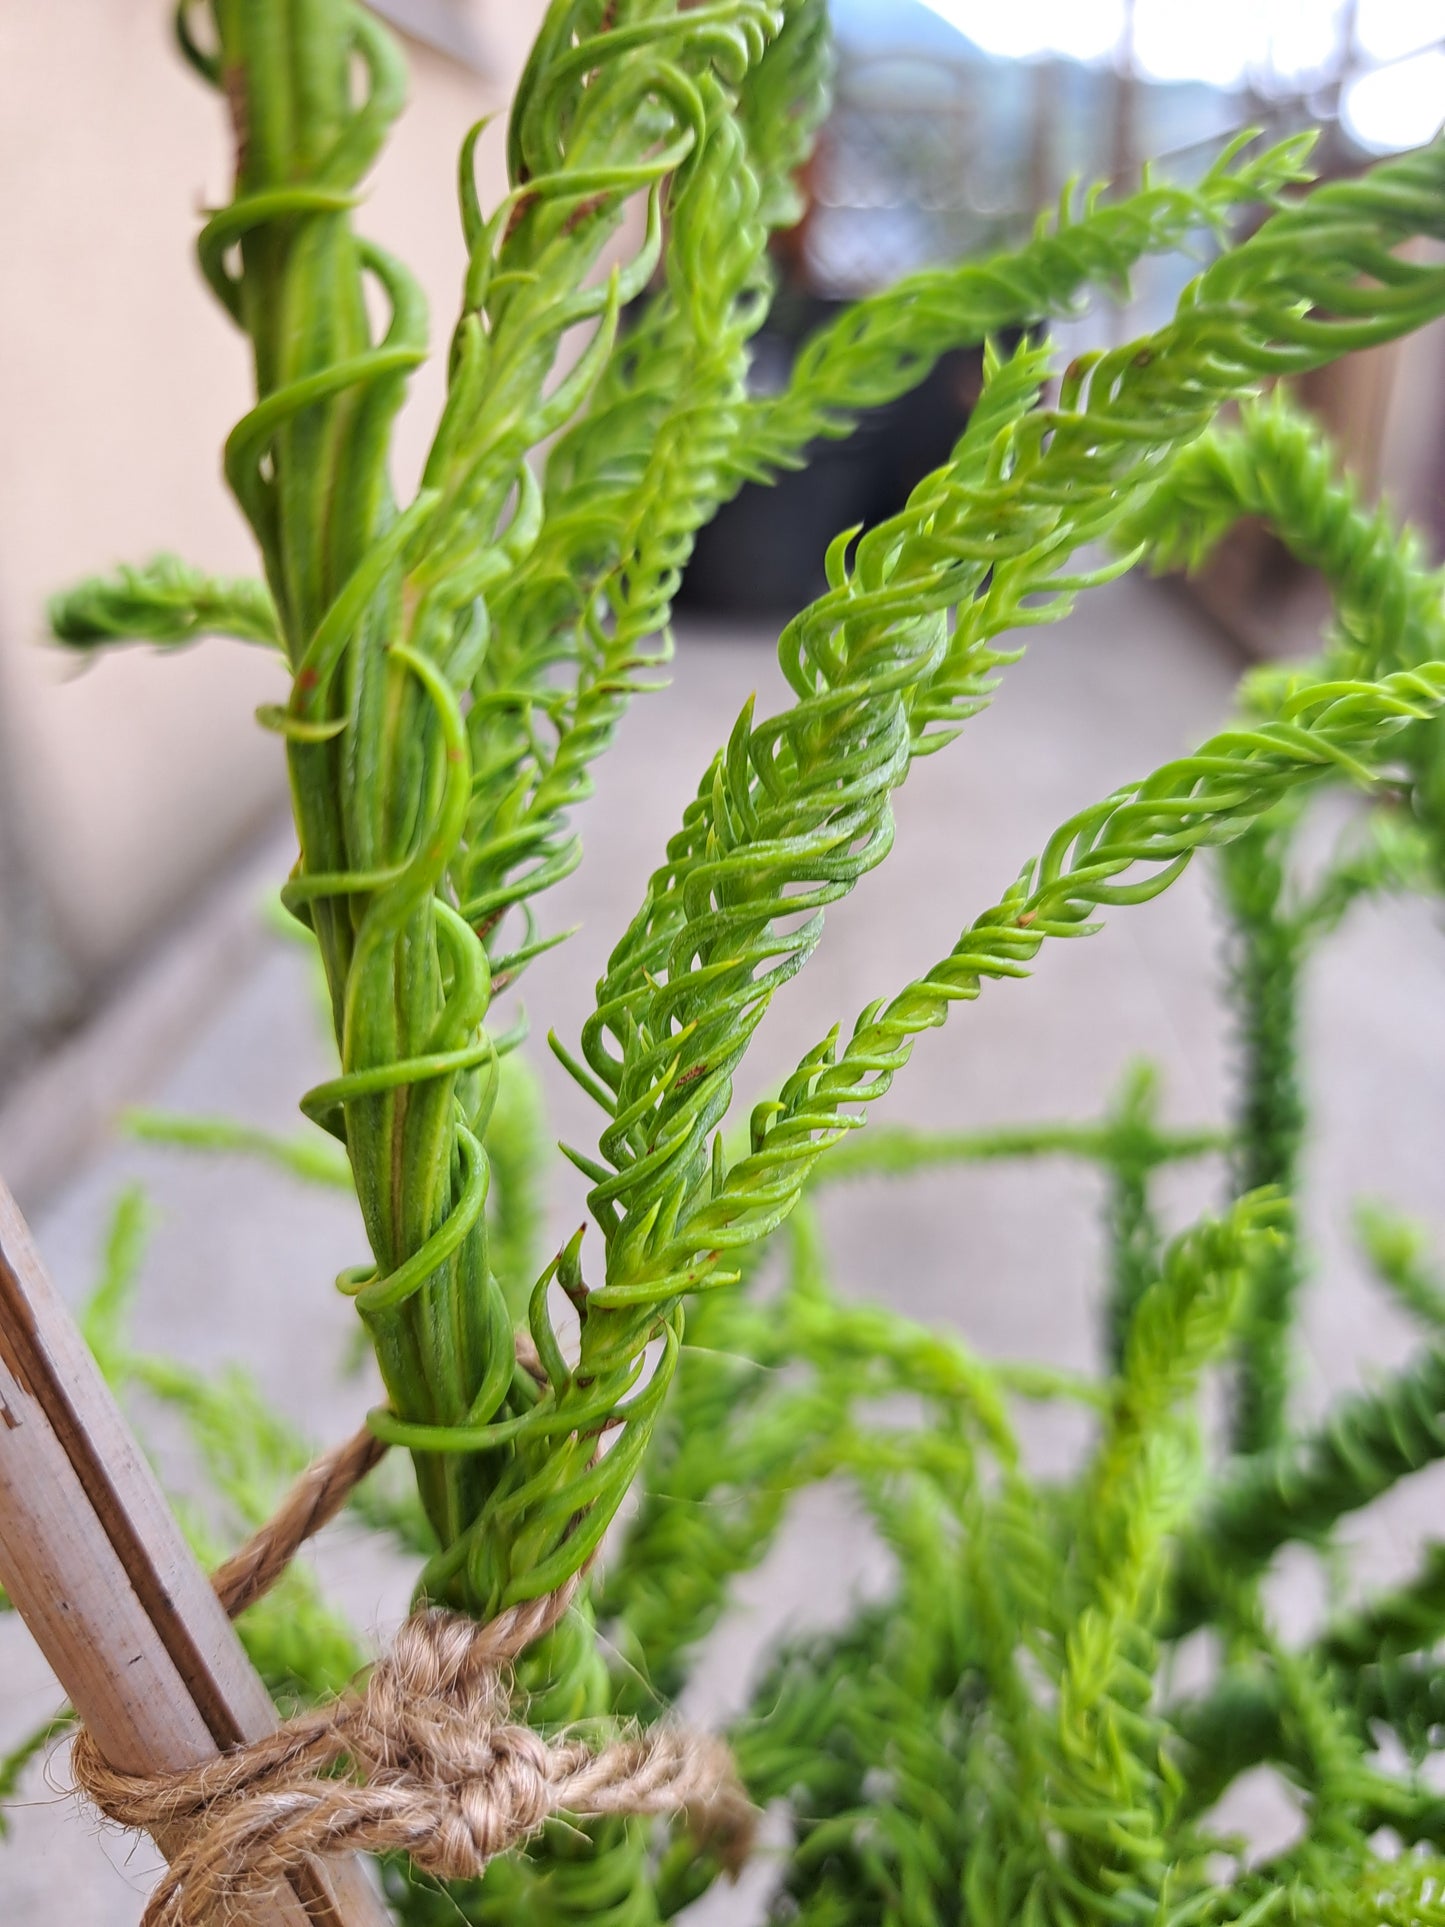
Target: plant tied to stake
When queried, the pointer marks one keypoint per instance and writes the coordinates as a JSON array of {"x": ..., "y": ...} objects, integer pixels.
[{"x": 459, "y": 662}]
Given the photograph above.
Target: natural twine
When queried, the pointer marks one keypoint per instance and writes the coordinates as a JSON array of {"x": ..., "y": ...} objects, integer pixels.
[{"x": 436, "y": 1768}]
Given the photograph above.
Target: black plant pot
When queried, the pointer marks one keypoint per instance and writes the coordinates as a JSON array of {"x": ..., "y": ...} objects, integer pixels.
[{"x": 762, "y": 555}]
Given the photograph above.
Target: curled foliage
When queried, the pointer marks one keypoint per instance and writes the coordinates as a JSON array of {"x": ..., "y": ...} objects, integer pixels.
[{"x": 992, "y": 1743}]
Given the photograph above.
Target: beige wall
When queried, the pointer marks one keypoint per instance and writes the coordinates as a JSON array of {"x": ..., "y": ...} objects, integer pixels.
[{"x": 122, "y": 785}]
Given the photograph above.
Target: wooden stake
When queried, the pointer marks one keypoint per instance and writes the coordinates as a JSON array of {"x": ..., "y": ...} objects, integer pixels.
[{"x": 96, "y": 1565}]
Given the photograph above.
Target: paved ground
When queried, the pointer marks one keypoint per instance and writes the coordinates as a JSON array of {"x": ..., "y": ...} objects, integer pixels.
[{"x": 240, "y": 1261}]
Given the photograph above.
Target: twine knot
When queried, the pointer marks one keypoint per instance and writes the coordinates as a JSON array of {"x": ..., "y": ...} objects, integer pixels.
[
  {"x": 422, "y": 1758},
  {"x": 435, "y": 1768}
]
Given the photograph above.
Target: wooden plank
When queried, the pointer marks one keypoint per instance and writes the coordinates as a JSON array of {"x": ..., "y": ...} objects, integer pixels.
[{"x": 96, "y": 1564}]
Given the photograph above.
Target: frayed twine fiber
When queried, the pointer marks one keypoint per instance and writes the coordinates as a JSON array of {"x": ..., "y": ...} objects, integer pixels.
[{"x": 435, "y": 1766}]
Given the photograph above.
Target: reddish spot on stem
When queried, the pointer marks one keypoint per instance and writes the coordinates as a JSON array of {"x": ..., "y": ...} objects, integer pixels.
[
  {"x": 515, "y": 217},
  {"x": 580, "y": 213}
]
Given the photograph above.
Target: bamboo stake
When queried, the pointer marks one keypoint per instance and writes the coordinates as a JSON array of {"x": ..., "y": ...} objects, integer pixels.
[{"x": 95, "y": 1563}]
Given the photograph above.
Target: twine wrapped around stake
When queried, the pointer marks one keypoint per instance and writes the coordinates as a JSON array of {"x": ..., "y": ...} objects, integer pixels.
[
  {"x": 436, "y": 1768},
  {"x": 313, "y": 1502}
]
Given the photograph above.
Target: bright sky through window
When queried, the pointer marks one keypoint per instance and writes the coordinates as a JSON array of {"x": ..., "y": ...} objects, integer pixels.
[
  {"x": 1222, "y": 43},
  {"x": 1397, "y": 106}
]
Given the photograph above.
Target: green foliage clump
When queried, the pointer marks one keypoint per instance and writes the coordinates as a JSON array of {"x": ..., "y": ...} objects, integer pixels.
[{"x": 998, "y": 1739}]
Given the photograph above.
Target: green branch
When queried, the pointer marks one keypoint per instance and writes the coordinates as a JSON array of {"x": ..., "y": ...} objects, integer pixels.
[{"x": 164, "y": 601}]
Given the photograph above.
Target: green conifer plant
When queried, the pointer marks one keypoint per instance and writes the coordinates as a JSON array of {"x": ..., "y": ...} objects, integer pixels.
[{"x": 996, "y": 1742}]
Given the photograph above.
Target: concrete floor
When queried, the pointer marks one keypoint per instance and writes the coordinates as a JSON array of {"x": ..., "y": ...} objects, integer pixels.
[{"x": 241, "y": 1260}]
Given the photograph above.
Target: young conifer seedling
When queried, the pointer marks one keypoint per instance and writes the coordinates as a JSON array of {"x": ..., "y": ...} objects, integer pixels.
[{"x": 997, "y": 1743}]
